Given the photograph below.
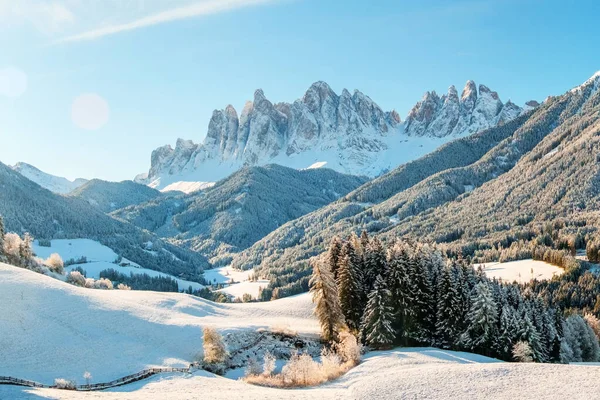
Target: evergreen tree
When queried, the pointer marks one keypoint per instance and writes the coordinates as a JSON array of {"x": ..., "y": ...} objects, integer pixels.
[
  {"x": 397, "y": 277},
  {"x": 481, "y": 320},
  {"x": 375, "y": 263},
  {"x": 376, "y": 328},
  {"x": 350, "y": 288},
  {"x": 333, "y": 255},
  {"x": 325, "y": 297},
  {"x": 449, "y": 309},
  {"x": 507, "y": 332},
  {"x": 423, "y": 325},
  {"x": 529, "y": 334}
]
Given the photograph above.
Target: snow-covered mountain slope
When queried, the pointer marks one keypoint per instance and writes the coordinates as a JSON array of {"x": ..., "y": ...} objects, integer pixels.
[
  {"x": 110, "y": 196},
  {"x": 99, "y": 258},
  {"x": 27, "y": 207},
  {"x": 53, "y": 183},
  {"x": 241, "y": 209},
  {"x": 53, "y": 329},
  {"x": 349, "y": 133}
]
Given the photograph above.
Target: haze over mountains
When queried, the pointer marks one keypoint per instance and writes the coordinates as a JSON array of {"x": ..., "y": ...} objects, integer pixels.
[{"x": 349, "y": 133}]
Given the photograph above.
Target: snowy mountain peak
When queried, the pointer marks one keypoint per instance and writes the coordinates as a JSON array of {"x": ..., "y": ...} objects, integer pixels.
[
  {"x": 476, "y": 110},
  {"x": 346, "y": 132},
  {"x": 53, "y": 183}
]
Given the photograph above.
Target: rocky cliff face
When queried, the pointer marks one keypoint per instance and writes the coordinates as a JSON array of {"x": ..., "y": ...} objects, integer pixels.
[
  {"x": 473, "y": 111},
  {"x": 346, "y": 132}
]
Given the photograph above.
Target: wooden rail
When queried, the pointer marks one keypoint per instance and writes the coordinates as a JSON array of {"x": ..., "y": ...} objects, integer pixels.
[{"x": 8, "y": 380}]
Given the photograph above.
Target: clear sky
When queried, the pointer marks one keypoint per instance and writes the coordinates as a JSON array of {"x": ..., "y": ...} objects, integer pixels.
[{"x": 88, "y": 88}]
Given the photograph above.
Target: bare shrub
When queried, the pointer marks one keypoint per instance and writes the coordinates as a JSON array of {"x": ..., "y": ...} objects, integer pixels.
[
  {"x": 522, "y": 352},
  {"x": 55, "y": 263},
  {"x": 268, "y": 364},
  {"x": 75, "y": 278},
  {"x": 103, "y": 283},
  {"x": 215, "y": 351},
  {"x": 301, "y": 370},
  {"x": 253, "y": 367},
  {"x": 593, "y": 323},
  {"x": 61, "y": 383},
  {"x": 89, "y": 283},
  {"x": 122, "y": 286},
  {"x": 349, "y": 349}
]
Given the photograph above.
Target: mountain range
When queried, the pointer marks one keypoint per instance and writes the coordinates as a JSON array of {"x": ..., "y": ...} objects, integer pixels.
[
  {"x": 537, "y": 174},
  {"x": 349, "y": 133}
]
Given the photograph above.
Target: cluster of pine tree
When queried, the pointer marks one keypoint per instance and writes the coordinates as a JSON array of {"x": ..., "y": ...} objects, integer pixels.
[{"x": 409, "y": 294}]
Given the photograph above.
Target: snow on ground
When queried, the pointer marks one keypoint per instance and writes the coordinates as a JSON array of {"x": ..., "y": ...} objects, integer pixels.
[
  {"x": 248, "y": 287},
  {"x": 225, "y": 275},
  {"x": 99, "y": 258},
  {"x": 521, "y": 271},
  {"x": 56, "y": 330},
  {"x": 186, "y": 187},
  {"x": 409, "y": 373},
  {"x": 242, "y": 283}
]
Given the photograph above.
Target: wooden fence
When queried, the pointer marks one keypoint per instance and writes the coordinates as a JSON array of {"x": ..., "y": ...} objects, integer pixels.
[{"x": 8, "y": 380}]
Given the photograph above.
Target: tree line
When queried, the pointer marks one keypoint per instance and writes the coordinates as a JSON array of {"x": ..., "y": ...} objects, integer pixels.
[{"x": 410, "y": 294}]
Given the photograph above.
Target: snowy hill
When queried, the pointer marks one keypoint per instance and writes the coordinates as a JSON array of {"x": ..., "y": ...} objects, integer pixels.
[
  {"x": 53, "y": 329},
  {"x": 110, "y": 196},
  {"x": 349, "y": 133},
  {"x": 53, "y": 183}
]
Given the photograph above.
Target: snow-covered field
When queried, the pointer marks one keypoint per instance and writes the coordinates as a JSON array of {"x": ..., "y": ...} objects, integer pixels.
[
  {"x": 242, "y": 283},
  {"x": 53, "y": 329},
  {"x": 99, "y": 258},
  {"x": 521, "y": 271},
  {"x": 410, "y": 373}
]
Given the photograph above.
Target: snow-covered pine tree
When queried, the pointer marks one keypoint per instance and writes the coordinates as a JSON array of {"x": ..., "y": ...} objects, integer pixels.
[
  {"x": 375, "y": 263},
  {"x": 333, "y": 255},
  {"x": 325, "y": 297},
  {"x": 376, "y": 328},
  {"x": 558, "y": 322},
  {"x": 508, "y": 329},
  {"x": 529, "y": 334},
  {"x": 481, "y": 321},
  {"x": 398, "y": 283},
  {"x": 449, "y": 309},
  {"x": 350, "y": 287},
  {"x": 423, "y": 326}
]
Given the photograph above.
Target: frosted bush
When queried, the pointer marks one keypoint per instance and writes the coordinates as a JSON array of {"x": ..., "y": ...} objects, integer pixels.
[
  {"x": 330, "y": 364},
  {"x": 253, "y": 367},
  {"x": 268, "y": 364},
  {"x": 302, "y": 370},
  {"x": 349, "y": 349},
  {"x": 522, "y": 352},
  {"x": 122, "y": 286},
  {"x": 55, "y": 263},
  {"x": 89, "y": 283},
  {"x": 12, "y": 243},
  {"x": 103, "y": 283},
  {"x": 214, "y": 347},
  {"x": 75, "y": 278}
]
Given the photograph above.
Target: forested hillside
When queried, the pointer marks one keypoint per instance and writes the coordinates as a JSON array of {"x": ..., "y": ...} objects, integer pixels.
[
  {"x": 241, "y": 209},
  {"x": 512, "y": 183},
  {"x": 27, "y": 207},
  {"x": 111, "y": 196}
]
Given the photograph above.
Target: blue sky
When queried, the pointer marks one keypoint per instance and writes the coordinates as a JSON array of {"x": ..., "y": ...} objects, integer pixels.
[{"x": 162, "y": 66}]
